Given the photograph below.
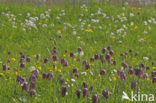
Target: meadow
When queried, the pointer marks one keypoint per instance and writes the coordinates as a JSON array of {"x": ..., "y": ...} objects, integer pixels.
[{"x": 77, "y": 54}]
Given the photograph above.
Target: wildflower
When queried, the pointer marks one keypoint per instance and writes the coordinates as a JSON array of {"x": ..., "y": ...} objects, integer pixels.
[
  {"x": 25, "y": 86},
  {"x": 123, "y": 76},
  {"x": 102, "y": 72},
  {"x": 85, "y": 85},
  {"x": 1, "y": 74},
  {"x": 134, "y": 85},
  {"x": 95, "y": 98},
  {"x": 78, "y": 93},
  {"x": 153, "y": 67},
  {"x": 50, "y": 76},
  {"x": 114, "y": 78},
  {"x": 75, "y": 70},
  {"x": 32, "y": 78},
  {"x": 148, "y": 68},
  {"x": 153, "y": 73},
  {"x": 105, "y": 93},
  {"x": 46, "y": 60},
  {"x": 73, "y": 80},
  {"x": 59, "y": 70},
  {"x": 39, "y": 68},
  {"x": 28, "y": 59},
  {"x": 13, "y": 59},
  {"x": 130, "y": 72},
  {"x": 154, "y": 80},
  {"x": 89, "y": 30},
  {"x": 32, "y": 93},
  {"x": 145, "y": 58},
  {"x": 85, "y": 92},
  {"x": 35, "y": 73},
  {"x": 33, "y": 85},
  {"x": 64, "y": 91}
]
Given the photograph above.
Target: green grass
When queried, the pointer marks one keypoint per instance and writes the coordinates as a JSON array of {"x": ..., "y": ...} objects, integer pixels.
[{"x": 37, "y": 41}]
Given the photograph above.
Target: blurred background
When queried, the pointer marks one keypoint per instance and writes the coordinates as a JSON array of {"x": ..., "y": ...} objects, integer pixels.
[{"x": 74, "y": 2}]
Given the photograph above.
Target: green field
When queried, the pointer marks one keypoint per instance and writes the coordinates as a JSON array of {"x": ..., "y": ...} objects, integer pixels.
[{"x": 99, "y": 49}]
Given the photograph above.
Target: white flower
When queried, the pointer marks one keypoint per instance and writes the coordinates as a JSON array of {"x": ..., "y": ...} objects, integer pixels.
[
  {"x": 141, "y": 39},
  {"x": 74, "y": 32},
  {"x": 44, "y": 25},
  {"x": 84, "y": 73},
  {"x": 73, "y": 80},
  {"x": 145, "y": 58},
  {"x": 145, "y": 22},
  {"x": 81, "y": 53},
  {"x": 91, "y": 73},
  {"x": 131, "y": 14}
]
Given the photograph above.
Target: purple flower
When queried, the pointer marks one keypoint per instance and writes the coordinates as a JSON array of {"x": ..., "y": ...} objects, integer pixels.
[
  {"x": 105, "y": 93},
  {"x": 63, "y": 91},
  {"x": 102, "y": 72},
  {"x": 154, "y": 80},
  {"x": 25, "y": 86},
  {"x": 134, "y": 85},
  {"x": 78, "y": 93},
  {"x": 33, "y": 85},
  {"x": 95, "y": 98},
  {"x": 75, "y": 70},
  {"x": 32, "y": 93},
  {"x": 28, "y": 59},
  {"x": 85, "y": 92},
  {"x": 85, "y": 85},
  {"x": 79, "y": 49}
]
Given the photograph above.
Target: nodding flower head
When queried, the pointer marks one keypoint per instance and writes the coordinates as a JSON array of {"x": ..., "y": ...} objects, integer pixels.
[
  {"x": 139, "y": 72},
  {"x": 123, "y": 76},
  {"x": 28, "y": 59},
  {"x": 22, "y": 65},
  {"x": 44, "y": 75},
  {"x": 130, "y": 72},
  {"x": 32, "y": 78},
  {"x": 85, "y": 92},
  {"x": 5, "y": 67},
  {"x": 147, "y": 68},
  {"x": 85, "y": 85},
  {"x": 96, "y": 56},
  {"x": 32, "y": 93},
  {"x": 111, "y": 52},
  {"x": 50, "y": 76},
  {"x": 25, "y": 86},
  {"x": 95, "y": 98},
  {"x": 62, "y": 81},
  {"x": 108, "y": 57},
  {"x": 46, "y": 60},
  {"x": 102, "y": 72},
  {"x": 75, "y": 70},
  {"x": 105, "y": 93},
  {"x": 153, "y": 73},
  {"x": 154, "y": 80},
  {"x": 79, "y": 49},
  {"x": 109, "y": 48},
  {"x": 72, "y": 54},
  {"x": 37, "y": 56},
  {"x": 33, "y": 85},
  {"x": 78, "y": 93},
  {"x": 64, "y": 91},
  {"x": 130, "y": 50},
  {"x": 54, "y": 58},
  {"x": 134, "y": 85},
  {"x": 103, "y": 50},
  {"x": 36, "y": 73},
  {"x": 142, "y": 65}
]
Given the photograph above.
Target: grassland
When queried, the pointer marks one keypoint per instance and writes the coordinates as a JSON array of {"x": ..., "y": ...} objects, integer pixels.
[{"x": 78, "y": 35}]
